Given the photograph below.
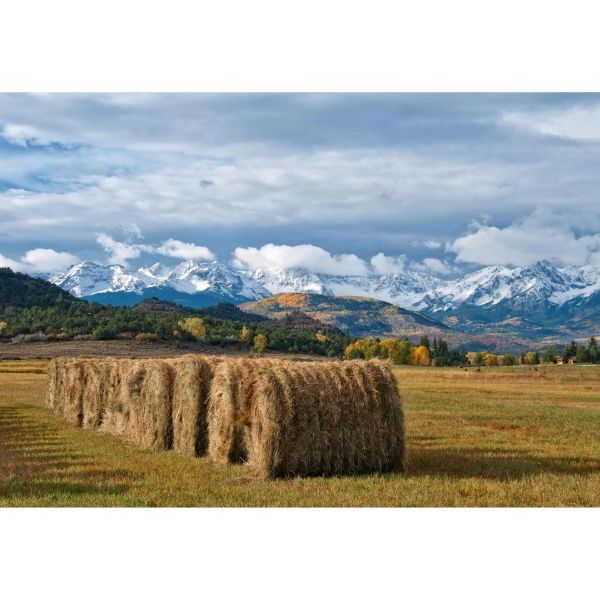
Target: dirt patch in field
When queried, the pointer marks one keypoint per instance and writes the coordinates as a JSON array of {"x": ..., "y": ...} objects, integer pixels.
[{"x": 121, "y": 348}]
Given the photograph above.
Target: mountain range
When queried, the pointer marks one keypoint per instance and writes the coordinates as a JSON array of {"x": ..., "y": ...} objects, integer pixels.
[{"x": 540, "y": 301}]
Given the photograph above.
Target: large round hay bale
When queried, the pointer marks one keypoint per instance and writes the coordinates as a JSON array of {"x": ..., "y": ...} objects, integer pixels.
[
  {"x": 147, "y": 388},
  {"x": 288, "y": 418},
  {"x": 71, "y": 389},
  {"x": 191, "y": 385},
  {"x": 53, "y": 383},
  {"x": 226, "y": 398},
  {"x": 97, "y": 378},
  {"x": 116, "y": 413}
]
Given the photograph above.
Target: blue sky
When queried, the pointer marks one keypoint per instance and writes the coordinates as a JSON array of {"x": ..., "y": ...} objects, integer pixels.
[{"x": 340, "y": 183}]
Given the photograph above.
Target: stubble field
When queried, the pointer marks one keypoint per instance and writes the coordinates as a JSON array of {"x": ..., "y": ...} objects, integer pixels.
[{"x": 495, "y": 437}]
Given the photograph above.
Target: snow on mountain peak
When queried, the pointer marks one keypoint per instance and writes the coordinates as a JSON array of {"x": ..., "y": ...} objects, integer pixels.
[{"x": 486, "y": 287}]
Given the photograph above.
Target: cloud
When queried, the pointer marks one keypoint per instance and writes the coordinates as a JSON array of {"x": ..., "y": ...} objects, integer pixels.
[
  {"x": 366, "y": 172},
  {"x": 121, "y": 252},
  {"x": 429, "y": 244},
  {"x": 303, "y": 256},
  {"x": 11, "y": 264},
  {"x": 40, "y": 260},
  {"x": 184, "y": 250},
  {"x": 22, "y": 135},
  {"x": 433, "y": 265},
  {"x": 118, "y": 252},
  {"x": 580, "y": 122},
  {"x": 388, "y": 265},
  {"x": 48, "y": 260},
  {"x": 540, "y": 236}
]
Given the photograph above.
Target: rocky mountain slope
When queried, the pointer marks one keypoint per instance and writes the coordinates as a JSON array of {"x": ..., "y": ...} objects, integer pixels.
[{"x": 368, "y": 317}]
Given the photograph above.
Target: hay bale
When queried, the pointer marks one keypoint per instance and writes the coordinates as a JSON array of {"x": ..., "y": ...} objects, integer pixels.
[
  {"x": 96, "y": 375},
  {"x": 226, "y": 407},
  {"x": 56, "y": 387},
  {"x": 191, "y": 385},
  {"x": 115, "y": 412},
  {"x": 71, "y": 391},
  {"x": 146, "y": 390},
  {"x": 52, "y": 370},
  {"x": 306, "y": 418}
]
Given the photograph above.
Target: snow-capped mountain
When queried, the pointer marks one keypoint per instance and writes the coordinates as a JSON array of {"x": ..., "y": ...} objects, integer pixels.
[
  {"x": 87, "y": 278},
  {"x": 191, "y": 283},
  {"x": 541, "y": 293}
]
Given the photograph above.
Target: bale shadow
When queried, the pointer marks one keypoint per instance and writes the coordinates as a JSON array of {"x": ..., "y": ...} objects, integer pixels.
[
  {"x": 493, "y": 464},
  {"x": 37, "y": 462}
]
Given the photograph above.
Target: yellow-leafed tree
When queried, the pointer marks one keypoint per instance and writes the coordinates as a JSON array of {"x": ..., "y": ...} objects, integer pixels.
[
  {"x": 398, "y": 351},
  {"x": 3, "y": 326},
  {"x": 490, "y": 360},
  {"x": 245, "y": 335},
  {"x": 260, "y": 344},
  {"x": 420, "y": 356},
  {"x": 194, "y": 326}
]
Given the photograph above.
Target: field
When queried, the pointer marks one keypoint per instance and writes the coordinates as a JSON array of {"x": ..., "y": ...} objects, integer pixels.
[{"x": 495, "y": 437}]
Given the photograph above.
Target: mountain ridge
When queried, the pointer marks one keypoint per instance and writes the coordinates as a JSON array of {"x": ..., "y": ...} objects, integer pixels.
[{"x": 540, "y": 299}]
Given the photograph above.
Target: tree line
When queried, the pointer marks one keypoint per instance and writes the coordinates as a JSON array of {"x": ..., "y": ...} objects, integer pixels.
[
  {"x": 72, "y": 320},
  {"x": 402, "y": 352}
]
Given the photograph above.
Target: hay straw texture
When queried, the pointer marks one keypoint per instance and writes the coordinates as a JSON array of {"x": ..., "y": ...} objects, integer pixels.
[
  {"x": 191, "y": 385},
  {"x": 115, "y": 412},
  {"x": 71, "y": 392},
  {"x": 54, "y": 382},
  {"x": 96, "y": 378},
  {"x": 288, "y": 418},
  {"x": 146, "y": 388},
  {"x": 227, "y": 408}
]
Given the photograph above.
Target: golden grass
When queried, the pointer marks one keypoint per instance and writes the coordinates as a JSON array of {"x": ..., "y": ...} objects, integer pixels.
[{"x": 499, "y": 437}]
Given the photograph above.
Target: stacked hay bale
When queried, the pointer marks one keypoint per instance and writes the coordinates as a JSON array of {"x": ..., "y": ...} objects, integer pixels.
[
  {"x": 96, "y": 391},
  {"x": 192, "y": 380},
  {"x": 280, "y": 417},
  {"x": 228, "y": 408},
  {"x": 54, "y": 371},
  {"x": 146, "y": 390},
  {"x": 71, "y": 392},
  {"x": 289, "y": 418},
  {"x": 115, "y": 409}
]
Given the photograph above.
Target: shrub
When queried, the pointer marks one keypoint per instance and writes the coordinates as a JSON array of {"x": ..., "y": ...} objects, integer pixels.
[
  {"x": 104, "y": 333},
  {"x": 140, "y": 338}
]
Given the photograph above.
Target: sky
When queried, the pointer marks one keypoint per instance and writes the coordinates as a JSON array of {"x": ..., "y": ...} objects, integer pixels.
[{"x": 347, "y": 184}]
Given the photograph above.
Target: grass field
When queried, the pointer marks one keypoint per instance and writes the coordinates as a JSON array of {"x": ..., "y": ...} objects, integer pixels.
[{"x": 498, "y": 437}]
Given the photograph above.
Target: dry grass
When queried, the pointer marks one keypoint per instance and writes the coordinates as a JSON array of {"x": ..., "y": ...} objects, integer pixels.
[{"x": 500, "y": 437}]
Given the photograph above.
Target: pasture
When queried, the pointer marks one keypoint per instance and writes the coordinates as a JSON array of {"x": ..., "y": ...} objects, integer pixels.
[{"x": 495, "y": 437}]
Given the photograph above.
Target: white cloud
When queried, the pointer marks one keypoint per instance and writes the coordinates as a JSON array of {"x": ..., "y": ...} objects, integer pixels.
[
  {"x": 576, "y": 123},
  {"x": 429, "y": 244},
  {"x": 184, "y": 250},
  {"x": 118, "y": 252},
  {"x": 47, "y": 260},
  {"x": 122, "y": 252},
  {"x": 40, "y": 260},
  {"x": 433, "y": 265},
  {"x": 22, "y": 135},
  {"x": 305, "y": 256},
  {"x": 540, "y": 236},
  {"x": 388, "y": 265},
  {"x": 11, "y": 264}
]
